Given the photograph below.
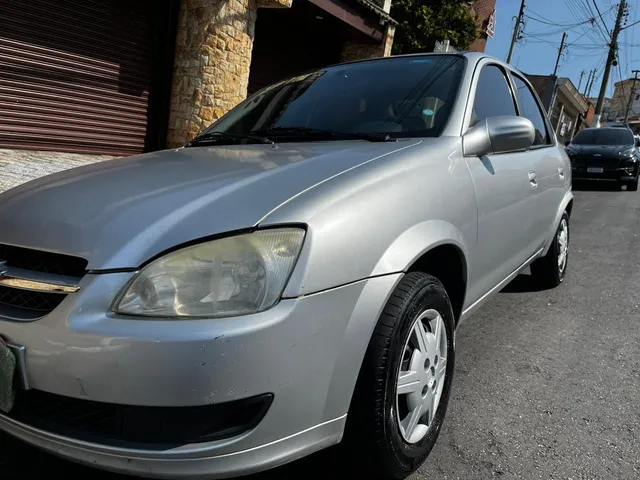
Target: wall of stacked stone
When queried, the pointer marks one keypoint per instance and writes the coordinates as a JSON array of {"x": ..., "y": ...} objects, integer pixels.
[
  {"x": 359, "y": 51},
  {"x": 211, "y": 66}
]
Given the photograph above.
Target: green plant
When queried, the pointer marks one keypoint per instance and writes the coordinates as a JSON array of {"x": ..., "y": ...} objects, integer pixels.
[{"x": 424, "y": 22}]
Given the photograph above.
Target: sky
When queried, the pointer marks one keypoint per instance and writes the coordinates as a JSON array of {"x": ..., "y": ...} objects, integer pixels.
[{"x": 545, "y": 20}]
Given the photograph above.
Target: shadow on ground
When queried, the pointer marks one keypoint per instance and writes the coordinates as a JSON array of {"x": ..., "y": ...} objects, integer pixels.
[{"x": 523, "y": 283}]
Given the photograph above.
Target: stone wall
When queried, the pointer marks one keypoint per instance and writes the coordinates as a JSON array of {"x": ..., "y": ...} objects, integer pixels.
[
  {"x": 358, "y": 51},
  {"x": 211, "y": 67},
  {"x": 19, "y": 166}
]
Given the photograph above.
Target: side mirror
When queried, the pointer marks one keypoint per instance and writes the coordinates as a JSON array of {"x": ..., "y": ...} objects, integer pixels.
[
  {"x": 567, "y": 142},
  {"x": 498, "y": 135}
]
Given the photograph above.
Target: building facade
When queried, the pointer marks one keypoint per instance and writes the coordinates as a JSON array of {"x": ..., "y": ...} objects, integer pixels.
[
  {"x": 606, "y": 106},
  {"x": 485, "y": 13},
  {"x": 85, "y": 80},
  {"x": 567, "y": 109},
  {"x": 626, "y": 94}
]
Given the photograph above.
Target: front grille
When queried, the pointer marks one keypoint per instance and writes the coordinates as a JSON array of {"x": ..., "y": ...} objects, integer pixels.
[
  {"x": 29, "y": 303},
  {"x": 37, "y": 302},
  {"x": 591, "y": 161},
  {"x": 43, "y": 262},
  {"x": 136, "y": 426}
]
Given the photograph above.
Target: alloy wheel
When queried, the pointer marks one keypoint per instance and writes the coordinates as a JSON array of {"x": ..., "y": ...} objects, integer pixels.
[
  {"x": 421, "y": 377},
  {"x": 563, "y": 245}
]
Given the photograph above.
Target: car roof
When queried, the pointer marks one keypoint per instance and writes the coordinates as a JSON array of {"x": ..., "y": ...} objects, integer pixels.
[{"x": 473, "y": 57}]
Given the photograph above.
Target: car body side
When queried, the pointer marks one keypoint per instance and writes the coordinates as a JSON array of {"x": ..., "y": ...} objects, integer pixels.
[{"x": 424, "y": 206}]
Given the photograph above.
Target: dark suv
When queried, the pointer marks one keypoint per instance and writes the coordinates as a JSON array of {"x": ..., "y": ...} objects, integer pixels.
[{"x": 605, "y": 154}]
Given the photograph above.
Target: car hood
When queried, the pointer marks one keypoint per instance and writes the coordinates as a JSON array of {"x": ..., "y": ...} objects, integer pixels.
[
  {"x": 602, "y": 150},
  {"x": 119, "y": 213}
]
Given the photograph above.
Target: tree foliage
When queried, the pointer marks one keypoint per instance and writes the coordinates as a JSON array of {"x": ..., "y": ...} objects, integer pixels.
[{"x": 424, "y": 22}]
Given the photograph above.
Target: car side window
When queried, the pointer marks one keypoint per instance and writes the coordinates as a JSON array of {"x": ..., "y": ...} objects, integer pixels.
[
  {"x": 531, "y": 110},
  {"x": 493, "y": 95}
]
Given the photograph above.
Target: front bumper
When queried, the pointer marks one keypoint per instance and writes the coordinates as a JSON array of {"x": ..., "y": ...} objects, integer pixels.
[
  {"x": 608, "y": 174},
  {"x": 304, "y": 352}
]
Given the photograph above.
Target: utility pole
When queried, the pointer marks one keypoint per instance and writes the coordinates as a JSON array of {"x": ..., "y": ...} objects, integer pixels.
[
  {"x": 593, "y": 79},
  {"x": 555, "y": 70},
  {"x": 580, "y": 82},
  {"x": 613, "y": 48},
  {"x": 516, "y": 31},
  {"x": 586, "y": 87},
  {"x": 631, "y": 95}
]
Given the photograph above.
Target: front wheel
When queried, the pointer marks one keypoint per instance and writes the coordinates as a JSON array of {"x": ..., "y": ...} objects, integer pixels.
[
  {"x": 405, "y": 381},
  {"x": 551, "y": 269}
]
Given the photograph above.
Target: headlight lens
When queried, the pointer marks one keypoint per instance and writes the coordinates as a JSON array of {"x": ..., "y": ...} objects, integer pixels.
[
  {"x": 230, "y": 276},
  {"x": 627, "y": 153}
]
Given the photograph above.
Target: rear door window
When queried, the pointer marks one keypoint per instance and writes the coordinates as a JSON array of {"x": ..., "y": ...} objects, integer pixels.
[{"x": 531, "y": 111}]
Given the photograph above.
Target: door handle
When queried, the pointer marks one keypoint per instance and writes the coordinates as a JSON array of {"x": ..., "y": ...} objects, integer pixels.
[
  {"x": 561, "y": 173},
  {"x": 533, "y": 181}
]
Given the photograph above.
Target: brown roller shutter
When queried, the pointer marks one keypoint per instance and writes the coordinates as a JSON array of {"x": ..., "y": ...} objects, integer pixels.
[{"x": 75, "y": 75}]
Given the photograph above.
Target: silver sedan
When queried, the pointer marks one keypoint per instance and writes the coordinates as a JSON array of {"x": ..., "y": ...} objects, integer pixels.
[{"x": 291, "y": 279}]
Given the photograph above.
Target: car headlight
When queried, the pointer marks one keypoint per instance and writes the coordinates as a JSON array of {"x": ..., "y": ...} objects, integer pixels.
[
  {"x": 235, "y": 275},
  {"x": 627, "y": 153}
]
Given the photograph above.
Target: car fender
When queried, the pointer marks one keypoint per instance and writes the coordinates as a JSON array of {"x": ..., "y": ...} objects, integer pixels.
[
  {"x": 568, "y": 197},
  {"x": 415, "y": 242},
  {"x": 396, "y": 260}
]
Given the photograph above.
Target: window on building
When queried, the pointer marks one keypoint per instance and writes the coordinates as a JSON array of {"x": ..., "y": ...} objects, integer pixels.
[
  {"x": 531, "y": 110},
  {"x": 493, "y": 95}
]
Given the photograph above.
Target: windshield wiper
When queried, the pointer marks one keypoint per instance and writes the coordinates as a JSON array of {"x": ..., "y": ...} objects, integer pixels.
[
  {"x": 215, "y": 136},
  {"x": 317, "y": 132}
]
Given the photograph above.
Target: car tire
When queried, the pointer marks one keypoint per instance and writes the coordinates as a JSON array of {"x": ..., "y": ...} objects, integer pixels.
[
  {"x": 550, "y": 270},
  {"x": 633, "y": 185},
  {"x": 379, "y": 434}
]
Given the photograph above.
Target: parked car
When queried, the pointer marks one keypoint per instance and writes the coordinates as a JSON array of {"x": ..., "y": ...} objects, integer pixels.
[
  {"x": 616, "y": 125},
  {"x": 291, "y": 278},
  {"x": 605, "y": 154}
]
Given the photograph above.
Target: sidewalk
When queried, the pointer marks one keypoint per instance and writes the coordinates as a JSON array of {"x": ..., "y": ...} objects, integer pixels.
[{"x": 19, "y": 166}]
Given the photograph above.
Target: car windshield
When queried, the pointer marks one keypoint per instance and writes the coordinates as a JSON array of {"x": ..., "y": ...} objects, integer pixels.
[
  {"x": 604, "y": 136},
  {"x": 396, "y": 97}
]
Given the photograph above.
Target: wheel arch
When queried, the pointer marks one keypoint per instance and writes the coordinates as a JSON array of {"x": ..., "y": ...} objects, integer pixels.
[
  {"x": 435, "y": 247},
  {"x": 432, "y": 247},
  {"x": 448, "y": 264}
]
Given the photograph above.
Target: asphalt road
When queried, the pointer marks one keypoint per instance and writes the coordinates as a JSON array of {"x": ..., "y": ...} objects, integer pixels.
[{"x": 547, "y": 382}]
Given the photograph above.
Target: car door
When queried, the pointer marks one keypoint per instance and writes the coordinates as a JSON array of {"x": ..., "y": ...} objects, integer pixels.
[
  {"x": 505, "y": 189},
  {"x": 548, "y": 161}
]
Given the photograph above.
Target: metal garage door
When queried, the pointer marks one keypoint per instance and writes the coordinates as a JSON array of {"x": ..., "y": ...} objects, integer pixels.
[{"x": 75, "y": 75}]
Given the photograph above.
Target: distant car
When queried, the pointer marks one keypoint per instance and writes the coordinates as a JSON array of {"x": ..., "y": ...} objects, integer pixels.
[
  {"x": 291, "y": 278},
  {"x": 616, "y": 125},
  {"x": 605, "y": 154}
]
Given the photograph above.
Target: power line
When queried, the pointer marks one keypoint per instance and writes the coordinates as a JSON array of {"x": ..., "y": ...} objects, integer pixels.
[
  {"x": 601, "y": 19},
  {"x": 577, "y": 11},
  {"x": 555, "y": 24}
]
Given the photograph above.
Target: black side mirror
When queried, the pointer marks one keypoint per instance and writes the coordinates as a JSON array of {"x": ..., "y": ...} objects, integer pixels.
[{"x": 567, "y": 142}]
